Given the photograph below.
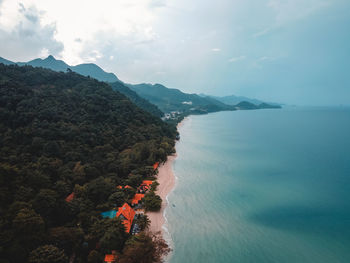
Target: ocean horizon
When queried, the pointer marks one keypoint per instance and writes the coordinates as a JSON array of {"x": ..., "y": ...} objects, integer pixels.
[{"x": 262, "y": 186}]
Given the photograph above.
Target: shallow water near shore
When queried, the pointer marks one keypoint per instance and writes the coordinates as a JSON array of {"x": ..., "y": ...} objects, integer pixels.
[{"x": 262, "y": 186}]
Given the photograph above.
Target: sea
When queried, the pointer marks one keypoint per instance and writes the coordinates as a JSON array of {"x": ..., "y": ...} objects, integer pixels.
[{"x": 262, "y": 186}]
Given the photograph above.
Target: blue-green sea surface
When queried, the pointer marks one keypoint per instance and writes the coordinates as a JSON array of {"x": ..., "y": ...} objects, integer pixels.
[{"x": 262, "y": 186}]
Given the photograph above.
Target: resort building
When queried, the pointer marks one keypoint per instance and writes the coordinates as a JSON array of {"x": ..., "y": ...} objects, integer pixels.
[
  {"x": 126, "y": 214},
  {"x": 145, "y": 186},
  {"x": 111, "y": 258},
  {"x": 136, "y": 200}
]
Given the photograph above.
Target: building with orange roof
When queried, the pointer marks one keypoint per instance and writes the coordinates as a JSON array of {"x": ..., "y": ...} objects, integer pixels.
[
  {"x": 147, "y": 182},
  {"x": 120, "y": 187},
  {"x": 126, "y": 214},
  {"x": 155, "y": 166},
  {"x": 110, "y": 258},
  {"x": 128, "y": 186},
  {"x": 137, "y": 198},
  {"x": 70, "y": 197}
]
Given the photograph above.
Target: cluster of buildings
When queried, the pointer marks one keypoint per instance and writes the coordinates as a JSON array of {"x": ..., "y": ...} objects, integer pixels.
[
  {"x": 126, "y": 212},
  {"x": 171, "y": 115}
]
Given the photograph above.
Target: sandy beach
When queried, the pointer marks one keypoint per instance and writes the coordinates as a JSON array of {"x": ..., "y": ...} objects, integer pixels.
[{"x": 166, "y": 180}]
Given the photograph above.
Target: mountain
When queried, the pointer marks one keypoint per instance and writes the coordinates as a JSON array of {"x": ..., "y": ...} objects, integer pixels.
[
  {"x": 234, "y": 100},
  {"x": 63, "y": 134},
  {"x": 269, "y": 106},
  {"x": 6, "y": 62},
  {"x": 94, "y": 71},
  {"x": 138, "y": 100},
  {"x": 50, "y": 62},
  {"x": 144, "y": 95},
  {"x": 245, "y": 105},
  {"x": 169, "y": 100},
  {"x": 242, "y": 102}
]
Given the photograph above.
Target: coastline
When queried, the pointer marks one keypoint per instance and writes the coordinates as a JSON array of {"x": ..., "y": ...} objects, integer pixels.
[{"x": 166, "y": 180}]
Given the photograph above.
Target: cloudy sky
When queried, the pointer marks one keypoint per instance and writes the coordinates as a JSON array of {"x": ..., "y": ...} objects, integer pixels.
[{"x": 289, "y": 51}]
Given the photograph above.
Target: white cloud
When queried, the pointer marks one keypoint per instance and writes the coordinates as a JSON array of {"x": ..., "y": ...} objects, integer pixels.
[
  {"x": 235, "y": 59},
  {"x": 23, "y": 35},
  {"x": 77, "y": 22},
  {"x": 216, "y": 49}
]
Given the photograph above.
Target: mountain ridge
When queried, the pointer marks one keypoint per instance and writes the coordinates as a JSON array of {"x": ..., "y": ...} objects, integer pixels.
[
  {"x": 154, "y": 98},
  {"x": 85, "y": 69},
  {"x": 169, "y": 100}
]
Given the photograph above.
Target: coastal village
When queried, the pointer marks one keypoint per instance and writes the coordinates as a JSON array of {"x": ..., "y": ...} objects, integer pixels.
[{"x": 128, "y": 211}]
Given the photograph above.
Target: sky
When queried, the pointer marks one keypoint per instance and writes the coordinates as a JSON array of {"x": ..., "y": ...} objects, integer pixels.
[{"x": 287, "y": 51}]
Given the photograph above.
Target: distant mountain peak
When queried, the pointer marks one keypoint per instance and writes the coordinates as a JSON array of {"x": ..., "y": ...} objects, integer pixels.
[
  {"x": 87, "y": 69},
  {"x": 50, "y": 57}
]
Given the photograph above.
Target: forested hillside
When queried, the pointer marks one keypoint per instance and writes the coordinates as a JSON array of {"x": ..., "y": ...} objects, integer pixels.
[
  {"x": 62, "y": 133},
  {"x": 86, "y": 69},
  {"x": 135, "y": 98},
  {"x": 169, "y": 100}
]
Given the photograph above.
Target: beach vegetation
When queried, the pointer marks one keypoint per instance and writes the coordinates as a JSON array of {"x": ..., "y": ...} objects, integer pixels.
[
  {"x": 146, "y": 248},
  {"x": 152, "y": 201}
]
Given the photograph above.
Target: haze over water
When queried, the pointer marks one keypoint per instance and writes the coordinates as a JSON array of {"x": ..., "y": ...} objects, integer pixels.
[{"x": 263, "y": 186}]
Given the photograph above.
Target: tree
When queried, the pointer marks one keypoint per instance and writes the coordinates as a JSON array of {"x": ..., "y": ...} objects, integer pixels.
[
  {"x": 99, "y": 190},
  {"x": 94, "y": 257},
  {"x": 45, "y": 202},
  {"x": 142, "y": 221},
  {"x": 145, "y": 248},
  {"x": 110, "y": 233},
  {"x": 117, "y": 198},
  {"x": 28, "y": 222},
  {"x": 47, "y": 254},
  {"x": 67, "y": 238},
  {"x": 152, "y": 201}
]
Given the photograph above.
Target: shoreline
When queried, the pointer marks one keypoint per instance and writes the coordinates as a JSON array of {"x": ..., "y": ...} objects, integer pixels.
[{"x": 166, "y": 179}]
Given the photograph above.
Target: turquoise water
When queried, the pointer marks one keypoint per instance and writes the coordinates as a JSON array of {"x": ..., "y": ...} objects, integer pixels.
[{"x": 262, "y": 186}]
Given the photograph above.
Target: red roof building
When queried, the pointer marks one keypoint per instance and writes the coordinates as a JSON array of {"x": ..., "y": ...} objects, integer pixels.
[
  {"x": 126, "y": 213},
  {"x": 155, "y": 166},
  {"x": 70, "y": 197},
  {"x": 110, "y": 258},
  {"x": 137, "y": 198}
]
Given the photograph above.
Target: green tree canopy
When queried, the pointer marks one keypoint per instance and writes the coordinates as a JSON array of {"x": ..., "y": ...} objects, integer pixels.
[{"x": 48, "y": 254}]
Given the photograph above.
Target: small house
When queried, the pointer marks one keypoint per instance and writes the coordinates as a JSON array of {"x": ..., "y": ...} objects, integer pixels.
[{"x": 111, "y": 258}]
